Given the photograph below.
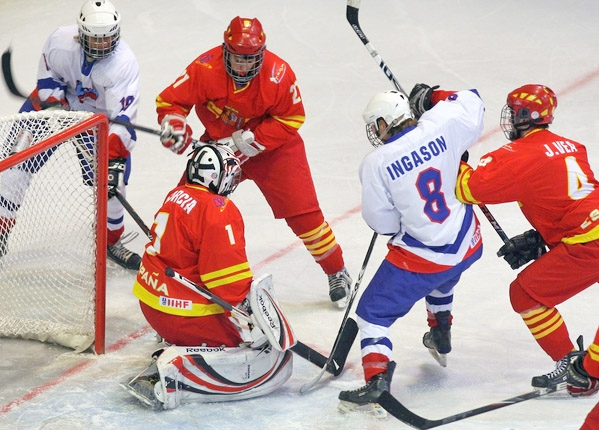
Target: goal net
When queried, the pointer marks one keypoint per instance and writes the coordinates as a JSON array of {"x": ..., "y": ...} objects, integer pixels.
[{"x": 53, "y": 168}]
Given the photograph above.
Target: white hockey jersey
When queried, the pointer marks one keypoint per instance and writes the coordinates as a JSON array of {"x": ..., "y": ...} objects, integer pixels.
[
  {"x": 109, "y": 85},
  {"x": 408, "y": 184}
]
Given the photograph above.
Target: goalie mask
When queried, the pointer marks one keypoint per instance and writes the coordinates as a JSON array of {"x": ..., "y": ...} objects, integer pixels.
[
  {"x": 384, "y": 112},
  {"x": 528, "y": 106},
  {"x": 215, "y": 167},
  {"x": 243, "y": 49},
  {"x": 99, "y": 28}
]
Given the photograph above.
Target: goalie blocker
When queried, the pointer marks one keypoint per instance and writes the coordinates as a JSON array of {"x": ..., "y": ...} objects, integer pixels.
[{"x": 200, "y": 374}]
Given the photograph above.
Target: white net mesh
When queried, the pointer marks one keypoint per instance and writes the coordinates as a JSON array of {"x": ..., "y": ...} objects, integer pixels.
[{"x": 48, "y": 231}]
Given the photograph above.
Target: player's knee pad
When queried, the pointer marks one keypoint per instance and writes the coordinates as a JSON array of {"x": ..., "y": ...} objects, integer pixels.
[
  {"x": 268, "y": 316},
  {"x": 199, "y": 374},
  {"x": 521, "y": 301}
]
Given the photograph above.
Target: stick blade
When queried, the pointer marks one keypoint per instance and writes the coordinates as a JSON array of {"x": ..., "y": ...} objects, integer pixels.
[{"x": 399, "y": 411}]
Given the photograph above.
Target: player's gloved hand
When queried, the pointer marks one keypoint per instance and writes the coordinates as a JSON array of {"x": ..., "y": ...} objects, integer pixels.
[
  {"x": 420, "y": 98},
  {"x": 523, "y": 248},
  {"x": 116, "y": 172},
  {"x": 175, "y": 134},
  {"x": 243, "y": 144},
  {"x": 465, "y": 156}
]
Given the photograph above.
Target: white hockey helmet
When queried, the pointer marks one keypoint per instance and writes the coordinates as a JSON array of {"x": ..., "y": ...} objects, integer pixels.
[
  {"x": 392, "y": 107},
  {"x": 215, "y": 167},
  {"x": 99, "y": 28}
]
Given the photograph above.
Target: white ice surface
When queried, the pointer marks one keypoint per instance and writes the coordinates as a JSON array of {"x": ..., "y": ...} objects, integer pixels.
[{"x": 494, "y": 46}]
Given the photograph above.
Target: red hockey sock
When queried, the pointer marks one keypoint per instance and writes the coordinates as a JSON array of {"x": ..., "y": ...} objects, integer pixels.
[{"x": 549, "y": 330}]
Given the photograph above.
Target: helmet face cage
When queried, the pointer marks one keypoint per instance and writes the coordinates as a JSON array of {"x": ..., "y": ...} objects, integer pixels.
[
  {"x": 99, "y": 28},
  {"x": 526, "y": 107},
  {"x": 243, "y": 49},
  {"x": 214, "y": 167},
  {"x": 392, "y": 107}
]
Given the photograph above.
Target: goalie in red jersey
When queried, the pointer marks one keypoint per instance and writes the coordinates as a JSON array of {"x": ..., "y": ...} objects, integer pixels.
[
  {"x": 551, "y": 179},
  {"x": 247, "y": 98},
  {"x": 211, "y": 354}
]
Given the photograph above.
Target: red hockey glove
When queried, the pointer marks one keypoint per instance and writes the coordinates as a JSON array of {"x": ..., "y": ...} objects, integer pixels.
[{"x": 175, "y": 134}]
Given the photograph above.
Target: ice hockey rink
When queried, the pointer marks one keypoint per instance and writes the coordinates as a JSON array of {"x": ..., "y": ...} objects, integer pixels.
[{"x": 494, "y": 46}]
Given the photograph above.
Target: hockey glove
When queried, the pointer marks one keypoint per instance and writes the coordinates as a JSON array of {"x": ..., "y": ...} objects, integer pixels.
[
  {"x": 175, "y": 134},
  {"x": 242, "y": 143},
  {"x": 116, "y": 172},
  {"x": 420, "y": 98},
  {"x": 523, "y": 248}
]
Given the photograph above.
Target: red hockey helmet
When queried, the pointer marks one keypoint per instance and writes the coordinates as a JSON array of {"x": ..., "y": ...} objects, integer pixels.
[
  {"x": 527, "y": 106},
  {"x": 243, "y": 48}
]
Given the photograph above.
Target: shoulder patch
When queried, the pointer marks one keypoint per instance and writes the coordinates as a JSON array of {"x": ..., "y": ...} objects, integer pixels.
[
  {"x": 220, "y": 202},
  {"x": 278, "y": 72}
]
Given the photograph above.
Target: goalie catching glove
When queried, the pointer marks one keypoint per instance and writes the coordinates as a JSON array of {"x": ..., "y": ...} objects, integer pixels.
[
  {"x": 522, "y": 248},
  {"x": 243, "y": 144},
  {"x": 175, "y": 134}
]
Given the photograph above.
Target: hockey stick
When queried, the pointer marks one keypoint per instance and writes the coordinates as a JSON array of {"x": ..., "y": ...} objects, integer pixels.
[
  {"x": 399, "y": 411},
  {"x": 134, "y": 215},
  {"x": 299, "y": 348},
  {"x": 344, "y": 322},
  {"x": 353, "y": 9},
  {"x": 12, "y": 87}
]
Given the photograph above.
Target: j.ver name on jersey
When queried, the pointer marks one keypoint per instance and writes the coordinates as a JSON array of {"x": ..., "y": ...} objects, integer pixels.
[{"x": 417, "y": 157}]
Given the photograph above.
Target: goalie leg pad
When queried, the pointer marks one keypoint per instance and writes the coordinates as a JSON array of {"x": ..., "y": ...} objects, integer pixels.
[
  {"x": 202, "y": 374},
  {"x": 267, "y": 314}
]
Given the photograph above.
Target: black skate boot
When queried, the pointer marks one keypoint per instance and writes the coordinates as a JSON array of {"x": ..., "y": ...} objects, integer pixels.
[
  {"x": 339, "y": 288},
  {"x": 438, "y": 338},
  {"x": 3, "y": 243},
  {"x": 369, "y": 393},
  {"x": 556, "y": 378},
  {"x": 123, "y": 257}
]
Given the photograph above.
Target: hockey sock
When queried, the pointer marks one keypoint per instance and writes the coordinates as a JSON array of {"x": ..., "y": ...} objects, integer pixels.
[{"x": 549, "y": 330}]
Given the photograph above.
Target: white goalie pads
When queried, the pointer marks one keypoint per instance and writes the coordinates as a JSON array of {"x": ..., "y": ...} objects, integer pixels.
[
  {"x": 268, "y": 316},
  {"x": 202, "y": 374}
]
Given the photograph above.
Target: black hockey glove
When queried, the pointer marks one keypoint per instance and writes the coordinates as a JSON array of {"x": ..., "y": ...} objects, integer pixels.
[
  {"x": 523, "y": 248},
  {"x": 465, "y": 156},
  {"x": 116, "y": 171},
  {"x": 420, "y": 98}
]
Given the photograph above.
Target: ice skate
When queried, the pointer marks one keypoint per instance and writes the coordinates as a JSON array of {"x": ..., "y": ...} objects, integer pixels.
[
  {"x": 579, "y": 382},
  {"x": 556, "y": 378},
  {"x": 3, "y": 243},
  {"x": 123, "y": 257},
  {"x": 339, "y": 288},
  {"x": 366, "y": 397},
  {"x": 438, "y": 338},
  {"x": 142, "y": 387}
]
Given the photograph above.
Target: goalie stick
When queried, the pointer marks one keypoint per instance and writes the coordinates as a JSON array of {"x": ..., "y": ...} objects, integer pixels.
[
  {"x": 344, "y": 324},
  {"x": 399, "y": 411},
  {"x": 14, "y": 90},
  {"x": 299, "y": 348},
  {"x": 352, "y": 11}
]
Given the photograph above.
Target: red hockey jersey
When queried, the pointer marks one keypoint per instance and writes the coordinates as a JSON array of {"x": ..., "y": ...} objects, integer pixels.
[
  {"x": 201, "y": 236},
  {"x": 549, "y": 176}
]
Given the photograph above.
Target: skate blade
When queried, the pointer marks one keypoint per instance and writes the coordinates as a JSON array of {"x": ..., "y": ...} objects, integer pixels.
[
  {"x": 440, "y": 358},
  {"x": 144, "y": 399},
  {"x": 373, "y": 409}
]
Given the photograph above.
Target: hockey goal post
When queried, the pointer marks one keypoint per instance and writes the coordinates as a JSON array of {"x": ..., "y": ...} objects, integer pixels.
[{"x": 53, "y": 196}]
